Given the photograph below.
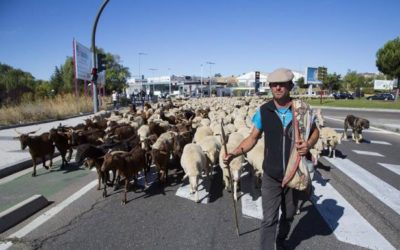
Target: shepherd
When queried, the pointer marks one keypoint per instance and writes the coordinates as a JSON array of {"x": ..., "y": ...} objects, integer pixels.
[{"x": 274, "y": 119}]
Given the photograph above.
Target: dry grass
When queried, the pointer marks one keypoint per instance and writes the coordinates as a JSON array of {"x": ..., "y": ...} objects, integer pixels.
[{"x": 48, "y": 109}]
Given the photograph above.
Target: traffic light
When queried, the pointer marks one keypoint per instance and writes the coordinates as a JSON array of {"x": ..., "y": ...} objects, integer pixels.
[
  {"x": 94, "y": 75},
  {"x": 257, "y": 76},
  {"x": 101, "y": 62},
  {"x": 257, "y": 81},
  {"x": 322, "y": 73}
]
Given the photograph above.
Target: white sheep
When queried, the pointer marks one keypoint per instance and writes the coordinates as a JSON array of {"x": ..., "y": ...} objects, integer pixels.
[
  {"x": 143, "y": 132},
  {"x": 316, "y": 151},
  {"x": 255, "y": 158},
  {"x": 320, "y": 121},
  {"x": 201, "y": 133},
  {"x": 193, "y": 161},
  {"x": 235, "y": 165},
  {"x": 330, "y": 139},
  {"x": 211, "y": 146}
]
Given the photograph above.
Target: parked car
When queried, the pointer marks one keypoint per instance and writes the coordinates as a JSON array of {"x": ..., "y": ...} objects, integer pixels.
[
  {"x": 343, "y": 96},
  {"x": 381, "y": 96}
]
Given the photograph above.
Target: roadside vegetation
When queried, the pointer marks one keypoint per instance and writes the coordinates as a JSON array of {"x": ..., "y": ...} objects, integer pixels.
[{"x": 59, "y": 107}]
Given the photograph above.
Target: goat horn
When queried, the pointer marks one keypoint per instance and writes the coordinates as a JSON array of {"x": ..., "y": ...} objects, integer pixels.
[
  {"x": 32, "y": 132},
  {"x": 16, "y": 131}
]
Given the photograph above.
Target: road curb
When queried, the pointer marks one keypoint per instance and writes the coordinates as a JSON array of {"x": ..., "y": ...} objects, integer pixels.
[
  {"x": 15, "y": 167},
  {"x": 21, "y": 211},
  {"x": 20, "y": 165}
]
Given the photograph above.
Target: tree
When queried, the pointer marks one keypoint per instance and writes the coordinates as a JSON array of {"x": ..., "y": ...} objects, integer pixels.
[
  {"x": 218, "y": 75},
  {"x": 56, "y": 80},
  {"x": 68, "y": 76},
  {"x": 13, "y": 83},
  {"x": 332, "y": 82},
  {"x": 116, "y": 74},
  {"x": 300, "y": 83},
  {"x": 388, "y": 60},
  {"x": 352, "y": 81}
]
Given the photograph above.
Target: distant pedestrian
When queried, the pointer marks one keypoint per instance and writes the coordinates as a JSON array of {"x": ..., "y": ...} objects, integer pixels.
[
  {"x": 142, "y": 96},
  {"x": 114, "y": 97}
]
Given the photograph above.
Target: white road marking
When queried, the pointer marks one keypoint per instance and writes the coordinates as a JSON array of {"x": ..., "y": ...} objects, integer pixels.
[
  {"x": 392, "y": 167},
  {"x": 379, "y": 130},
  {"x": 251, "y": 199},
  {"x": 346, "y": 222},
  {"x": 364, "y": 131},
  {"x": 392, "y": 125},
  {"x": 378, "y": 188},
  {"x": 369, "y": 153},
  {"x": 41, "y": 219},
  {"x": 204, "y": 196},
  {"x": 380, "y": 142}
]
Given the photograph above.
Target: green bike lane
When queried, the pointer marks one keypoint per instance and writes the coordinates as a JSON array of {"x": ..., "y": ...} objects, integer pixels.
[{"x": 47, "y": 183}]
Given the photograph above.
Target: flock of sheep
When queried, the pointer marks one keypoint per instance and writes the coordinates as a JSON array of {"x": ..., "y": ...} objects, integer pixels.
[{"x": 187, "y": 132}]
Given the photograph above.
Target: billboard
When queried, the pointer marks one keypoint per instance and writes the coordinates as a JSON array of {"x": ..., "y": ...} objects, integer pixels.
[
  {"x": 83, "y": 62},
  {"x": 312, "y": 76},
  {"x": 384, "y": 84}
]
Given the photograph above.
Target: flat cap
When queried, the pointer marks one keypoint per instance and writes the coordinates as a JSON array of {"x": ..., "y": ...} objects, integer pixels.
[{"x": 280, "y": 75}]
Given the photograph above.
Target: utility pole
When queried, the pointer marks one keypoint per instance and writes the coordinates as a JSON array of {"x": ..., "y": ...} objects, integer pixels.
[
  {"x": 140, "y": 75},
  {"x": 201, "y": 81},
  {"x": 210, "y": 63},
  {"x": 169, "y": 73},
  {"x": 94, "y": 69}
]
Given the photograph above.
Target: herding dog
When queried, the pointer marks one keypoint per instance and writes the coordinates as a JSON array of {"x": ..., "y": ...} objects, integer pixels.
[{"x": 357, "y": 124}]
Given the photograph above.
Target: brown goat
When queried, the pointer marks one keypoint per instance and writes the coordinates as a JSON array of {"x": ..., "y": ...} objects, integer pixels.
[
  {"x": 128, "y": 165},
  {"x": 160, "y": 158},
  {"x": 39, "y": 147},
  {"x": 155, "y": 128},
  {"x": 61, "y": 142}
]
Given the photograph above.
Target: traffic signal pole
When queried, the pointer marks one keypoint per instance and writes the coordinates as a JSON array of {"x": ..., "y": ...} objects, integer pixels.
[{"x": 94, "y": 57}]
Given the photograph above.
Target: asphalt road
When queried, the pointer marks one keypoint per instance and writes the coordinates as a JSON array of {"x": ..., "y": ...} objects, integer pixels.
[{"x": 159, "y": 219}]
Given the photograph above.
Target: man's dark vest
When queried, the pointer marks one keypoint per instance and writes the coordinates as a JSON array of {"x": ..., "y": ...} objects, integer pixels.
[{"x": 277, "y": 141}]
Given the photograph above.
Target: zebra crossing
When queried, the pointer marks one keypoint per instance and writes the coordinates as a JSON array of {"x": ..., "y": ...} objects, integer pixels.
[{"x": 345, "y": 221}]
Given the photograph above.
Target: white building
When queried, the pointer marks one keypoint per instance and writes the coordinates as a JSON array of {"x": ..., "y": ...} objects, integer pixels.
[{"x": 248, "y": 79}]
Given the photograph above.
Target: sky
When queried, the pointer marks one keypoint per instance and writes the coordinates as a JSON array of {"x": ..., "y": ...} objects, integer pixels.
[{"x": 179, "y": 36}]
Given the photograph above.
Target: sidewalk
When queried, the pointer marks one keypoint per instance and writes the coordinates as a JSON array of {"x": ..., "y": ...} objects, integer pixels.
[{"x": 13, "y": 158}]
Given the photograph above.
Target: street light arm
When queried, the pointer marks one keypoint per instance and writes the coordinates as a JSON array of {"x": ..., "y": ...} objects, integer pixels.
[{"x": 95, "y": 101}]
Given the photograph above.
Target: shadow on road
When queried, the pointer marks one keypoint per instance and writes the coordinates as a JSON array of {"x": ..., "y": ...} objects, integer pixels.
[{"x": 312, "y": 224}]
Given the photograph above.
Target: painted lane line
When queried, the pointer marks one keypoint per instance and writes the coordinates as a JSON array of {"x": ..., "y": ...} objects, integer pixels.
[
  {"x": 41, "y": 219},
  {"x": 382, "y": 131},
  {"x": 391, "y": 125},
  {"x": 392, "y": 167},
  {"x": 364, "y": 131},
  {"x": 369, "y": 153},
  {"x": 346, "y": 222},
  {"x": 380, "y": 142},
  {"x": 378, "y": 188},
  {"x": 204, "y": 196},
  {"x": 251, "y": 199}
]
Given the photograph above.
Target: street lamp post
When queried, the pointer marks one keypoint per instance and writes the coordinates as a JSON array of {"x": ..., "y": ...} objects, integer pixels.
[
  {"x": 94, "y": 69},
  {"x": 201, "y": 81},
  {"x": 140, "y": 76},
  {"x": 169, "y": 73},
  {"x": 210, "y": 63},
  {"x": 153, "y": 69}
]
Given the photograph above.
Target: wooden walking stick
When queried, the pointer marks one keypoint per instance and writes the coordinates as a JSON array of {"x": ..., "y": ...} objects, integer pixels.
[{"x": 230, "y": 177}]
